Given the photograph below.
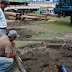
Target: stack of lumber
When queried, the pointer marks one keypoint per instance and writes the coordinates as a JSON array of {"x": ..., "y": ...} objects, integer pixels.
[
  {"x": 12, "y": 15},
  {"x": 29, "y": 17},
  {"x": 43, "y": 17},
  {"x": 18, "y": 16}
]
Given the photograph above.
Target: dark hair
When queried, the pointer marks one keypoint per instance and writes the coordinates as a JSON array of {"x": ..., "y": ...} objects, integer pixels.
[
  {"x": 5, "y": 2},
  {"x": 2, "y": 2},
  {"x": 59, "y": 65}
]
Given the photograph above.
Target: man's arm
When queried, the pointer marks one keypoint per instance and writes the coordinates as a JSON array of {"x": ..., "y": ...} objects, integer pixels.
[{"x": 9, "y": 47}]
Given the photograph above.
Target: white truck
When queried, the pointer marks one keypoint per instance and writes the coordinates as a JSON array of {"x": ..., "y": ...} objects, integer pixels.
[{"x": 21, "y": 6}]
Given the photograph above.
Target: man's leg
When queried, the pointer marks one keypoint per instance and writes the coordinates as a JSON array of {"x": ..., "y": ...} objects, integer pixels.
[{"x": 5, "y": 64}]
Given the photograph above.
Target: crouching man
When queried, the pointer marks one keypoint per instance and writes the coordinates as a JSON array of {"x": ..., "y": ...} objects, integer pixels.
[
  {"x": 6, "y": 50},
  {"x": 61, "y": 68}
]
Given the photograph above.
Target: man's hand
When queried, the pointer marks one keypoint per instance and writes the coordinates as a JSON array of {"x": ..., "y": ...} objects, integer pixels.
[
  {"x": 13, "y": 44},
  {"x": 14, "y": 53},
  {"x": 9, "y": 55}
]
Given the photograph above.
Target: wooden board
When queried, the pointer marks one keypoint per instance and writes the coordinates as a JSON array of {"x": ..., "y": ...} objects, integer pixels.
[
  {"x": 30, "y": 17},
  {"x": 12, "y": 17},
  {"x": 53, "y": 21},
  {"x": 10, "y": 13},
  {"x": 38, "y": 15}
]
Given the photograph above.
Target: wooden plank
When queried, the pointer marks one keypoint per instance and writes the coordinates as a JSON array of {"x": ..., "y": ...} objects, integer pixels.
[
  {"x": 33, "y": 14},
  {"x": 38, "y": 15},
  {"x": 53, "y": 21},
  {"x": 10, "y": 13},
  {"x": 12, "y": 17},
  {"x": 30, "y": 17}
]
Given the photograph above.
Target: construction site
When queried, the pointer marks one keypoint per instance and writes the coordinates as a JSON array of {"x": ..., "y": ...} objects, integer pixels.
[
  {"x": 44, "y": 39},
  {"x": 39, "y": 54}
]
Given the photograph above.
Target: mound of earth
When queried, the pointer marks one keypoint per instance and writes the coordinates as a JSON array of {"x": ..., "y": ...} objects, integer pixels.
[
  {"x": 41, "y": 57},
  {"x": 25, "y": 32}
]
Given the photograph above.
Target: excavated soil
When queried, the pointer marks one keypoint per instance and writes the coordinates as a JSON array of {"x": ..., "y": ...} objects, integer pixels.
[
  {"x": 25, "y": 32},
  {"x": 41, "y": 57}
]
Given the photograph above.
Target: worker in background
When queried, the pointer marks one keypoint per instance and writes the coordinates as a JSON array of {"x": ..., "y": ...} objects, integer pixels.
[
  {"x": 61, "y": 68},
  {"x": 3, "y": 23},
  {"x": 6, "y": 50}
]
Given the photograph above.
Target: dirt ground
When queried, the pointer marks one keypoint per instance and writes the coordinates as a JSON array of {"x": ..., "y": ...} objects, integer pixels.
[{"x": 41, "y": 57}]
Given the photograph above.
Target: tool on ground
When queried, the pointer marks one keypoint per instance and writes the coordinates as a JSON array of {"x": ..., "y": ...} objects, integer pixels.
[{"x": 18, "y": 59}]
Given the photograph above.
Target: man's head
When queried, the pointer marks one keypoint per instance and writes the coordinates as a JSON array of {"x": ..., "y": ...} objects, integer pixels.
[
  {"x": 4, "y": 4},
  {"x": 59, "y": 65},
  {"x": 12, "y": 35}
]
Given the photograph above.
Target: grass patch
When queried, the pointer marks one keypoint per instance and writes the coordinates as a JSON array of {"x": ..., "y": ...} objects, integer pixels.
[
  {"x": 51, "y": 29},
  {"x": 22, "y": 43}
]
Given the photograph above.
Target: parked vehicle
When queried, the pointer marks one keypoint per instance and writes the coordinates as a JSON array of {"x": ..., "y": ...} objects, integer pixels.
[
  {"x": 64, "y": 8},
  {"x": 21, "y": 6}
]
